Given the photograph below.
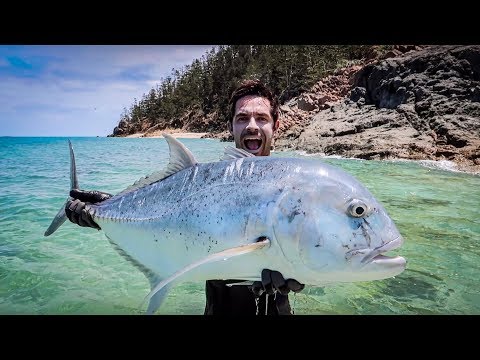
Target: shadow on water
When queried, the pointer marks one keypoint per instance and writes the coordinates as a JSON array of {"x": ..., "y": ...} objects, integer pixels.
[
  {"x": 410, "y": 287},
  {"x": 317, "y": 291},
  {"x": 408, "y": 203},
  {"x": 420, "y": 292}
]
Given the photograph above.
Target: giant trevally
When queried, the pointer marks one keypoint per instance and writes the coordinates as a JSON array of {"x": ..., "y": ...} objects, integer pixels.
[{"x": 232, "y": 218}]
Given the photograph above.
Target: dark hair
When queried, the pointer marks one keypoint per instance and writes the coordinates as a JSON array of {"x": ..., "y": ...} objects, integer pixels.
[{"x": 254, "y": 87}]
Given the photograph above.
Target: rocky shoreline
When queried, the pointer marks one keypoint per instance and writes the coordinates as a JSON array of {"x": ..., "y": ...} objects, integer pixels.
[
  {"x": 420, "y": 103},
  {"x": 424, "y": 105}
]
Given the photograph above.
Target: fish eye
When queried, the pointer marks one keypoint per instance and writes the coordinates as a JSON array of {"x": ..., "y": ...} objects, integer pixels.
[{"x": 357, "y": 208}]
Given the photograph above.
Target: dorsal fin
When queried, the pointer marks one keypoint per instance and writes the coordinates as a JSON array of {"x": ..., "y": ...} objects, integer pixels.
[
  {"x": 235, "y": 153},
  {"x": 180, "y": 158}
]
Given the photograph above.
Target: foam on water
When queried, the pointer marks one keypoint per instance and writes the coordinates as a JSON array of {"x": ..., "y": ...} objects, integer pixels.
[{"x": 445, "y": 165}]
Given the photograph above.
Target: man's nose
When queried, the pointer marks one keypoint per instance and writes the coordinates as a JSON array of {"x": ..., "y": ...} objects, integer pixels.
[{"x": 252, "y": 126}]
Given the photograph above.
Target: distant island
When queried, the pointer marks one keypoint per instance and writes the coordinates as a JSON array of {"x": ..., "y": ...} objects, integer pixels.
[{"x": 407, "y": 102}]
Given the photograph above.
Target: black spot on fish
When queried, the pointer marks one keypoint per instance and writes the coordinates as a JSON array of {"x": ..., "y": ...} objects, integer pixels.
[
  {"x": 366, "y": 222},
  {"x": 293, "y": 214},
  {"x": 366, "y": 235}
]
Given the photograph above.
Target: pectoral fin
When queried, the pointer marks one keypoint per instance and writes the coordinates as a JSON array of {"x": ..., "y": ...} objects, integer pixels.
[{"x": 222, "y": 255}]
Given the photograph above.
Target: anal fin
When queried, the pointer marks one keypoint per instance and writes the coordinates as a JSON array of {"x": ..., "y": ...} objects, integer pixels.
[
  {"x": 159, "y": 297},
  {"x": 222, "y": 255}
]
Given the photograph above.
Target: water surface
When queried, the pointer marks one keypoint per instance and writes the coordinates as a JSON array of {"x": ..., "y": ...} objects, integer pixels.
[{"x": 76, "y": 270}]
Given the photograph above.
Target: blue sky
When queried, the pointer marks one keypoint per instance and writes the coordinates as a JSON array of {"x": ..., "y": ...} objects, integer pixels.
[{"x": 80, "y": 90}]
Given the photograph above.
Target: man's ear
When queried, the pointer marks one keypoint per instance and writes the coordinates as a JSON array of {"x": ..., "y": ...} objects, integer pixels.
[
  {"x": 230, "y": 127},
  {"x": 276, "y": 125}
]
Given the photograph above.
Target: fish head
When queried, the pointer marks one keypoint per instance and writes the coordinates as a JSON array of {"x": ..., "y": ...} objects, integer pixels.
[{"x": 334, "y": 230}]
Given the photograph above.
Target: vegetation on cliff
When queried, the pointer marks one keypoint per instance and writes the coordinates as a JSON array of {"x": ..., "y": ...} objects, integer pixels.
[
  {"x": 368, "y": 102},
  {"x": 195, "y": 98}
]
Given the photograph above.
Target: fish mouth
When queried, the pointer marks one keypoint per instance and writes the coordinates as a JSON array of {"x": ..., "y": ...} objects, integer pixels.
[
  {"x": 252, "y": 144},
  {"x": 376, "y": 255}
]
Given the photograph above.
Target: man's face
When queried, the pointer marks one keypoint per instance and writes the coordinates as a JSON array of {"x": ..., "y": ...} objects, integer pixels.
[{"x": 252, "y": 126}]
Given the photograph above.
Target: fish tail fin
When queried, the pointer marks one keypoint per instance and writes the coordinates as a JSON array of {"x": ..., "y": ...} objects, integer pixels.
[{"x": 60, "y": 218}]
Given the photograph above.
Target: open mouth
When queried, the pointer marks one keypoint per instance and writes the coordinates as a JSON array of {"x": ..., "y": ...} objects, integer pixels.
[
  {"x": 377, "y": 254},
  {"x": 252, "y": 144}
]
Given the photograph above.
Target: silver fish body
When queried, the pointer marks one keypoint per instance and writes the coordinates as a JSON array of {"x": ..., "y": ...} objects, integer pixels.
[
  {"x": 233, "y": 218},
  {"x": 301, "y": 205}
]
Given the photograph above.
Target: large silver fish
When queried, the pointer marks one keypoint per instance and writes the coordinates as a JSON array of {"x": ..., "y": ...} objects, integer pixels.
[{"x": 230, "y": 219}]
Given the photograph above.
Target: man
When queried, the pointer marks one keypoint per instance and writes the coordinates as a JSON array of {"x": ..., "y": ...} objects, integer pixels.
[
  {"x": 254, "y": 113},
  {"x": 253, "y": 121}
]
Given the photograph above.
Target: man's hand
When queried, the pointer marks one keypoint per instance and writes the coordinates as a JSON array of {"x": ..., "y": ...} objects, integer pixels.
[
  {"x": 273, "y": 281},
  {"x": 75, "y": 208}
]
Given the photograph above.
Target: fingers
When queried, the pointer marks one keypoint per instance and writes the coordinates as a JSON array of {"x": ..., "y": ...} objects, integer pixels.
[
  {"x": 257, "y": 288},
  {"x": 294, "y": 285},
  {"x": 70, "y": 209},
  {"x": 89, "y": 196},
  {"x": 73, "y": 211},
  {"x": 77, "y": 214},
  {"x": 81, "y": 195},
  {"x": 85, "y": 220},
  {"x": 274, "y": 281},
  {"x": 267, "y": 281},
  {"x": 279, "y": 282},
  {"x": 75, "y": 208},
  {"x": 100, "y": 196}
]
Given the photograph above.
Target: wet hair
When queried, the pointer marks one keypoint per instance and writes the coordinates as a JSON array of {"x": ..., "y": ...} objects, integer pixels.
[{"x": 254, "y": 87}]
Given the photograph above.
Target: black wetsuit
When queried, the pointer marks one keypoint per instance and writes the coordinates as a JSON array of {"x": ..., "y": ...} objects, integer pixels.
[{"x": 240, "y": 300}]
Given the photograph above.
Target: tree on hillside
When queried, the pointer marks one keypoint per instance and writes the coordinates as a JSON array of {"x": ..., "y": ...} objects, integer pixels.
[{"x": 208, "y": 82}]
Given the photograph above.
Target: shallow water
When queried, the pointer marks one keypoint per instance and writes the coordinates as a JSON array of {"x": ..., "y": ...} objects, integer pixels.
[{"x": 76, "y": 270}]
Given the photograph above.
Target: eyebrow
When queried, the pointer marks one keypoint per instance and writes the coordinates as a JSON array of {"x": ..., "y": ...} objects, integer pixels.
[{"x": 256, "y": 113}]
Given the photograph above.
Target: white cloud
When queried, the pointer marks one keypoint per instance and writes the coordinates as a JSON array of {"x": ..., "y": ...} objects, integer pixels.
[{"x": 81, "y": 85}]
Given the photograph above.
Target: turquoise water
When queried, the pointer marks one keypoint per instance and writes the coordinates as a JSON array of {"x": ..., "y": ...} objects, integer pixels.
[{"x": 76, "y": 271}]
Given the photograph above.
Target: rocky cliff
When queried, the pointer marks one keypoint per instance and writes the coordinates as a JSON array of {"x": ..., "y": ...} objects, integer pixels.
[
  {"x": 423, "y": 104},
  {"x": 415, "y": 102}
]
